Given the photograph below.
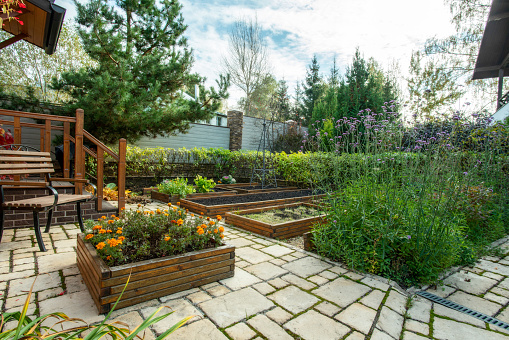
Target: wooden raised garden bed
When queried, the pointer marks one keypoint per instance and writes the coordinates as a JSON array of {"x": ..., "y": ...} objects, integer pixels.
[
  {"x": 173, "y": 199},
  {"x": 257, "y": 188},
  {"x": 280, "y": 230},
  {"x": 151, "y": 279},
  {"x": 203, "y": 206},
  {"x": 227, "y": 186}
]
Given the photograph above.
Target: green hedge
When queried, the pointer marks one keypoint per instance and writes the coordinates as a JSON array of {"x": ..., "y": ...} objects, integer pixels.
[{"x": 303, "y": 168}]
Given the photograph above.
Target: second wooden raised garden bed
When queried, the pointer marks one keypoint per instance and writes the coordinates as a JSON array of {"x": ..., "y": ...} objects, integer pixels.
[
  {"x": 151, "y": 279},
  {"x": 280, "y": 230},
  {"x": 201, "y": 206},
  {"x": 156, "y": 195}
]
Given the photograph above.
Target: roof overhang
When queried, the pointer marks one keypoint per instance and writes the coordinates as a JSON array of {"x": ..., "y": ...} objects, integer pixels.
[
  {"x": 42, "y": 22},
  {"x": 494, "y": 51}
]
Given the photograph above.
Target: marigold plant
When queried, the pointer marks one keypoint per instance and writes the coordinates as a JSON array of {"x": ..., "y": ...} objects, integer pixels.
[{"x": 137, "y": 235}]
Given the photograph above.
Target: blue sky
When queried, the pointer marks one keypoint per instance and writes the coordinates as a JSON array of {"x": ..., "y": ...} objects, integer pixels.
[{"x": 296, "y": 29}]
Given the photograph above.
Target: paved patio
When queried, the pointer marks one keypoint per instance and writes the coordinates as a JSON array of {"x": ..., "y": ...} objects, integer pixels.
[{"x": 278, "y": 292}]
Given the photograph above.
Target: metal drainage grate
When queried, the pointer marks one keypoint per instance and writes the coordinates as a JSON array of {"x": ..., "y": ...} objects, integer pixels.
[{"x": 463, "y": 309}]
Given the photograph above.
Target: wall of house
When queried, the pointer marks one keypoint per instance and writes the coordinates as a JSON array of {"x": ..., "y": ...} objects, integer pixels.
[{"x": 199, "y": 136}]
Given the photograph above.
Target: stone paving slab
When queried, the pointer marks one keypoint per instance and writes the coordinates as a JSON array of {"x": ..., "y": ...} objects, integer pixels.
[{"x": 278, "y": 292}]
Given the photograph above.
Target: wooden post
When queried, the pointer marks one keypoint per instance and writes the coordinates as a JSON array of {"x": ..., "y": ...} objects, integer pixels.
[
  {"x": 122, "y": 151},
  {"x": 67, "y": 160},
  {"x": 17, "y": 130},
  {"x": 79, "y": 154},
  {"x": 100, "y": 176},
  {"x": 47, "y": 136},
  {"x": 42, "y": 139}
]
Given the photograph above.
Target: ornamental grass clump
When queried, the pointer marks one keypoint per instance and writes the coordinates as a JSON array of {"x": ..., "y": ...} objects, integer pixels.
[
  {"x": 138, "y": 235},
  {"x": 405, "y": 201}
]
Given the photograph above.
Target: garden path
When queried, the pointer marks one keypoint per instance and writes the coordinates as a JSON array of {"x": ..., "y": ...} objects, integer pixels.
[{"x": 278, "y": 292}]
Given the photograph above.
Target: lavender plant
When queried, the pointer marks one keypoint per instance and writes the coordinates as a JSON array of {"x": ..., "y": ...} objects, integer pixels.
[{"x": 400, "y": 195}]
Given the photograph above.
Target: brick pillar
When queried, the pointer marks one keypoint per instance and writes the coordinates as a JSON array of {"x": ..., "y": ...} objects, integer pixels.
[{"x": 235, "y": 121}]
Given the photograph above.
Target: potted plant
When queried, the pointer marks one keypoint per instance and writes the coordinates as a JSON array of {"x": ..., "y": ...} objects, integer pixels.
[{"x": 165, "y": 250}]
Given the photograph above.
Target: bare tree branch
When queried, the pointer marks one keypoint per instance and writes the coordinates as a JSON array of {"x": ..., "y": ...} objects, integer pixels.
[{"x": 247, "y": 60}]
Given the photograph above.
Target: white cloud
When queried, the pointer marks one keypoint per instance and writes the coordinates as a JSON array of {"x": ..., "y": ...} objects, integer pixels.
[
  {"x": 297, "y": 29},
  {"x": 384, "y": 30}
]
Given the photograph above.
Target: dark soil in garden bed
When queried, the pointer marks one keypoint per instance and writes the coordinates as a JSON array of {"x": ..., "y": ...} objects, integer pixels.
[
  {"x": 246, "y": 198},
  {"x": 254, "y": 187}
]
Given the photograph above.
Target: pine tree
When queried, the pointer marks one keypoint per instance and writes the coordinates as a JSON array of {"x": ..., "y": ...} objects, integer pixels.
[
  {"x": 366, "y": 86},
  {"x": 143, "y": 67},
  {"x": 282, "y": 101},
  {"x": 312, "y": 90}
]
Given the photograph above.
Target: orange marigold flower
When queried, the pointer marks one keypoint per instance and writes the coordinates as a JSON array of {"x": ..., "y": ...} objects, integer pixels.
[
  {"x": 201, "y": 213},
  {"x": 167, "y": 238},
  {"x": 112, "y": 216},
  {"x": 111, "y": 221},
  {"x": 219, "y": 218},
  {"x": 180, "y": 221},
  {"x": 158, "y": 211},
  {"x": 209, "y": 232},
  {"x": 96, "y": 227},
  {"x": 200, "y": 231},
  {"x": 108, "y": 257},
  {"x": 139, "y": 205},
  {"x": 89, "y": 236},
  {"x": 221, "y": 236},
  {"x": 139, "y": 212},
  {"x": 215, "y": 231},
  {"x": 178, "y": 203},
  {"x": 192, "y": 215},
  {"x": 119, "y": 231},
  {"x": 102, "y": 231},
  {"x": 173, "y": 221},
  {"x": 166, "y": 211},
  {"x": 204, "y": 226},
  {"x": 109, "y": 231},
  {"x": 221, "y": 229},
  {"x": 122, "y": 209},
  {"x": 103, "y": 217},
  {"x": 100, "y": 245},
  {"x": 212, "y": 222},
  {"x": 208, "y": 218},
  {"x": 180, "y": 213},
  {"x": 117, "y": 218},
  {"x": 169, "y": 204},
  {"x": 121, "y": 238},
  {"x": 166, "y": 215}
]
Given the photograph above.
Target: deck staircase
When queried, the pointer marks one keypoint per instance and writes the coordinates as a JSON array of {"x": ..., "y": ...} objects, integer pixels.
[{"x": 25, "y": 125}]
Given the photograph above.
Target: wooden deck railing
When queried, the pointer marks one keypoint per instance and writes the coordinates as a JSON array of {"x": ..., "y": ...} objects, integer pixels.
[{"x": 80, "y": 149}]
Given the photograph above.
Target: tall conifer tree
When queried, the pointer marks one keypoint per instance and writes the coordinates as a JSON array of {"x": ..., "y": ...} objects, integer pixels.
[
  {"x": 143, "y": 67},
  {"x": 312, "y": 90}
]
